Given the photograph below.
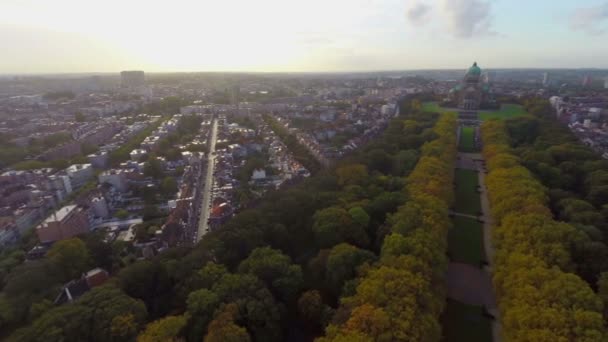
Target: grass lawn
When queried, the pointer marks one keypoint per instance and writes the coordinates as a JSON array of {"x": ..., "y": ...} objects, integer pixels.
[
  {"x": 467, "y": 139},
  {"x": 506, "y": 111},
  {"x": 467, "y": 198},
  {"x": 436, "y": 108},
  {"x": 465, "y": 241},
  {"x": 463, "y": 322}
]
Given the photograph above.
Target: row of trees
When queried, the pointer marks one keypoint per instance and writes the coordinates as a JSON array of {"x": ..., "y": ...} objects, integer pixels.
[
  {"x": 538, "y": 298},
  {"x": 401, "y": 297},
  {"x": 576, "y": 179}
]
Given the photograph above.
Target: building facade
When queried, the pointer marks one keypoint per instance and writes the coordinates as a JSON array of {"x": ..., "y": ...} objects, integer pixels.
[
  {"x": 65, "y": 223},
  {"x": 472, "y": 93}
]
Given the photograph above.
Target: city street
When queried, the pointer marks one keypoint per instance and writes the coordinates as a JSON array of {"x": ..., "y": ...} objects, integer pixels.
[{"x": 203, "y": 225}]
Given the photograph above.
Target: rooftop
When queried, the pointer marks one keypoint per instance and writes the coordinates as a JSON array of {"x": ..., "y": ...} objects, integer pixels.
[{"x": 60, "y": 214}]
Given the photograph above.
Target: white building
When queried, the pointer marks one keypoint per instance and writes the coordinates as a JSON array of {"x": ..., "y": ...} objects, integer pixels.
[
  {"x": 116, "y": 178},
  {"x": 137, "y": 154},
  {"x": 79, "y": 174},
  {"x": 99, "y": 160},
  {"x": 258, "y": 174},
  {"x": 99, "y": 207}
]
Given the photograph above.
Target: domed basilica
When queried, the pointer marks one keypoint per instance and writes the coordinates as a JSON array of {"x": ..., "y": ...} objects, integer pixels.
[{"x": 472, "y": 93}]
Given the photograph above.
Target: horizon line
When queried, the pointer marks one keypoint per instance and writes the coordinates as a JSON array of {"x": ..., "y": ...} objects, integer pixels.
[{"x": 288, "y": 72}]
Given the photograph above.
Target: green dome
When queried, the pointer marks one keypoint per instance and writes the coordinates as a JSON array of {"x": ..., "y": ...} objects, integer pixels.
[{"x": 474, "y": 70}]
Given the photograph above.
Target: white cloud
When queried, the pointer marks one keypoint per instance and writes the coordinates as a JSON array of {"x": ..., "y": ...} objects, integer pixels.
[
  {"x": 589, "y": 19},
  {"x": 459, "y": 18},
  {"x": 418, "y": 13},
  {"x": 468, "y": 18}
]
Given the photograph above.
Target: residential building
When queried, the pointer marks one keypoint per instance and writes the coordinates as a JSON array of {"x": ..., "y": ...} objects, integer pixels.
[
  {"x": 115, "y": 177},
  {"x": 99, "y": 207},
  {"x": 65, "y": 223},
  {"x": 79, "y": 174}
]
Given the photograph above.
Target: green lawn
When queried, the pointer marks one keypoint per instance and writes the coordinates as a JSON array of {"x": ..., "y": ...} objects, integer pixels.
[
  {"x": 467, "y": 198},
  {"x": 436, "y": 108},
  {"x": 506, "y": 111},
  {"x": 463, "y": 322},
  {"x": 465, "y": 241},
  {"x": 467, "y": 139}
]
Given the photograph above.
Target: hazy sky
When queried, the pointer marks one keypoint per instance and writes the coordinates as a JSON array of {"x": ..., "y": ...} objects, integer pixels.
[{"x": 285, "y": 35}]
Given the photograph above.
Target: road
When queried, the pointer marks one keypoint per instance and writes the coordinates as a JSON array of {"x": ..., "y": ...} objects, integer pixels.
[{"x": 203, "y": 224}]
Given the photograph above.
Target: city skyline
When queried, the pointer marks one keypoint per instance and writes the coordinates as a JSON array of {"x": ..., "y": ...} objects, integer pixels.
[{"x": 283, "y": 36}]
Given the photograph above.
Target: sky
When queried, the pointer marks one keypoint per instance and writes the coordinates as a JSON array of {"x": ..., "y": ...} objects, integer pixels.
[{"x": 70, "y": 36}]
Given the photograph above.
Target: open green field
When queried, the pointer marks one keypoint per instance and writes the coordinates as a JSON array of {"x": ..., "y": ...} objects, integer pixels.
[
  {"x": 436, "y": 108},
  {"x": 467, "y": 140},
  {"x": 463, "y": 322},
  {"x": 465, "y": 241},
  {"x": 467, "y": 198},
  {"x": 506, "y": 111}
]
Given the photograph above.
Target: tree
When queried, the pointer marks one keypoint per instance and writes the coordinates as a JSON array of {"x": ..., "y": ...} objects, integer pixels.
[
  {"x": 153, "y": 168},
  {"x": 342, "y": 264},
  {"x": 93, "y": 317},
  {"x": 70, "y": 257},
  {"x": 168, "y": 187},
  {"x": 313, "y": 310},
  {"x": 354, "y": 174},
  {"x": 334, "y": 225},
  {"x": 260, "y": 313},
  {"x": 121, "y": 214},
  {"x": 165, "y": 329},
  {"x": 380, "y": 161},
  {"x": 223, "y": 328},
  {"x": 276, "y": 270},
  {"x": 148, "y": 281},
  {"x": 602, "y": 291},
  {"x": 404, "y": 162},
  {"x": 359, "y": 217}
]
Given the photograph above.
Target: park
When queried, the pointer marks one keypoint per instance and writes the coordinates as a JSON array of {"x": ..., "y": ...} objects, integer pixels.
[{"x": 506, "y": 111}]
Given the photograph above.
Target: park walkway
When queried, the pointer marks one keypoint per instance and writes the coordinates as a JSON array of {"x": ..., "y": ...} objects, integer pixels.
[{"x": 470, "y": 283}]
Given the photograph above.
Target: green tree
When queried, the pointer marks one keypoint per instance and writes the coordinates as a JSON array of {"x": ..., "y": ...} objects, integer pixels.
[
  {"x": 79, "y": 117},
  {"x": 168, "y": 187},
  {"x": 167, "y": 329},
  {"x": 224, "y": 329},
  {"x": 121, "y": 214},
  {"x": 90, "y": 318},
  {"x": 313, "y": 310},
  {"x": 153, "y": 168},
  {"x": 334, "y": 225},
  {"x": 70, "y": 257},
  {"x": 342, "y": 264},
  {"x": 276, "y": 270}
]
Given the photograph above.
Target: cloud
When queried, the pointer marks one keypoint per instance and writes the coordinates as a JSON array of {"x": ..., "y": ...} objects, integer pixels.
[
  {"x": 588, "y": 19},
  {"x": 418, "y": 13},
  {"x": 458, "y": 18},
  {"x": 468, "y": 18}
]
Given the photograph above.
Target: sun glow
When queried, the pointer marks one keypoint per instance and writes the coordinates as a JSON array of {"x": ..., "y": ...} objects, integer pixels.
[{"x": 188, "y": 34}]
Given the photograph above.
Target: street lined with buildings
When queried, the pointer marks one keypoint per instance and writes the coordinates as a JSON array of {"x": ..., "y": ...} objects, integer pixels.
[{"x": 203, "y": 224}]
